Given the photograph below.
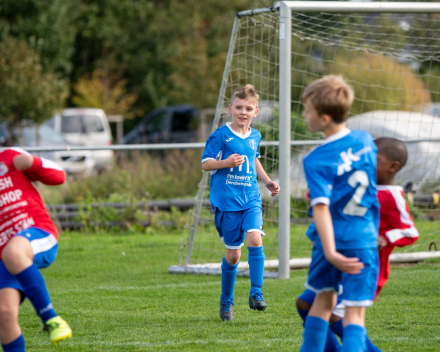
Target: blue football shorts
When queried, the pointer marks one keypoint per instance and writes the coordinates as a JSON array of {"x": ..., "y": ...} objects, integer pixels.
[
  {"x": 44, "y": 246},
  {"x": 232, "y": 225},
  {"x": 356, "y": 290}
]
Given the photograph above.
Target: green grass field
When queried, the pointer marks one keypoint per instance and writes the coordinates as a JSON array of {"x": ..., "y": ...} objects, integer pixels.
[{"x": 116, "y": 293}]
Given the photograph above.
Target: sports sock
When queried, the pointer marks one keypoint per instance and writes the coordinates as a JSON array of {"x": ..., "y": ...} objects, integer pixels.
[
  {"x": 303, "y": 314},
  {"x": 35, "y": 289},
  {"x": 15, "y": 346},
  {"x": 229, "y": 273},
  {"x": 256, "y": 268},
  {"x": 354, "y": 339},
  {"x": 337, "y": 328},
  {"x": 332, "y": 344},
  {"x": 370, "y": 346},
  {"x": 314, "y": 335}
]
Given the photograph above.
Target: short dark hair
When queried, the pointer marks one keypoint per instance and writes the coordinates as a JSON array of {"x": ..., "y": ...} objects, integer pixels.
[{"x": 393, "y": 149}]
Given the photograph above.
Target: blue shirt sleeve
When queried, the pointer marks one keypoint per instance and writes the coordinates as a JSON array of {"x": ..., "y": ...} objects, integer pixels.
[
  {"x": 320, "y": 182},
  {"x": 212, "y": 149}
]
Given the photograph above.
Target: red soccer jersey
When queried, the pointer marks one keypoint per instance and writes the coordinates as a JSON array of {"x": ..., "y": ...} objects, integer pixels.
[
  {"x": 21, "y": 205},
  {"x": 396, "y": 226}
]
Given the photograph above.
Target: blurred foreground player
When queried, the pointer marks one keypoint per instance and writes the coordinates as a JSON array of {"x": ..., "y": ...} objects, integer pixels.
[
  {"x": 396, "y": 228},
  {"x": 28, "y": 242}
]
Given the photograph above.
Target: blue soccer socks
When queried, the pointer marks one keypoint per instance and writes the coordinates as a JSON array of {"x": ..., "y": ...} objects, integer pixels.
[
  {"x": 256, "y": 268},
  {"x": 35, "y": 289},
  {"x": 15, "y": 346},
  {"x": 229, "y": 273},
  {"x": 314, "y": 335},
  {"x": 332, "y": 344},
  {"x": 337, "y": 328},
  {"x": 354, "y": 339}
]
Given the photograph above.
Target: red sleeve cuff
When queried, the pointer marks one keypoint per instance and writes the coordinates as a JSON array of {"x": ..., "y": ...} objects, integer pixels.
[{"x": 36, "y": 165}]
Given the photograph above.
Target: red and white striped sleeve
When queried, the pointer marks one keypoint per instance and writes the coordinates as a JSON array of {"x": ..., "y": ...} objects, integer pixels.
[{"x": 396, "y": 223}]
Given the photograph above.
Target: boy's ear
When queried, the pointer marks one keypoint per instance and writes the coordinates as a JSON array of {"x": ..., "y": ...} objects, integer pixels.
[
  {"x": 394, "y": 167},
  {"x": 325, "y": 120}
]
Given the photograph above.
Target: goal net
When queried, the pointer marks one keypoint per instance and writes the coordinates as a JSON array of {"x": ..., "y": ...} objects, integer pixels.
[{"x": 392, "y": 60}]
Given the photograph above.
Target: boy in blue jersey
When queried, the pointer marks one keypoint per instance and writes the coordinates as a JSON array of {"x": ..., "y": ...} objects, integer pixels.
[
  {"x": 231, "y": 154},
  {"x": 341, "y": 175}
]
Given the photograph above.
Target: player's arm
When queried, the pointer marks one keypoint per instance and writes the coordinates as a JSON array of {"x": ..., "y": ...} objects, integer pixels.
[
  {"x": 324, "y": 226},
  {"x": 270, "y": 185},
  {"x": 39, "y": 169},
  {"x": 233, "y": 160}
]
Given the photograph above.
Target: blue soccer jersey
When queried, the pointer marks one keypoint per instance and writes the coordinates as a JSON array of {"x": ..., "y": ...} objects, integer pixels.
[
  {"x": 233, "y": 189},
  {"x": 341, "y": 173}
]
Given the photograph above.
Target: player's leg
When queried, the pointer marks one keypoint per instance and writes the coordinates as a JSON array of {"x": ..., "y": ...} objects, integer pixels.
[
  {"x": 323, "y": 279},
  {"x": 228, "y": 227},
  {"x": 316, "y": 323},
  {"x": 24, "y": 254},
  {"x": 337, "y": 328},
  {"x": 358, "y": 294},
  {"x": 303, "y": 304},
  {"x": 11, "y": 337},
  {"x": 252, "y": 225}
]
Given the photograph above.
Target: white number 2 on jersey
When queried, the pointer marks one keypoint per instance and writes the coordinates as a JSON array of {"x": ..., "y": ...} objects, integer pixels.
[{"x": 360, "y": 180}]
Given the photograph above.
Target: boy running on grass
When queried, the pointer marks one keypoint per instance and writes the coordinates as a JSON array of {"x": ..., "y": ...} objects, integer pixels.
[
  {"x": 28, "y": 242},
  {"x": 396, "y": 228},
  {"x": 341, "y": 175},
  {"x": 231, "y": 154}
]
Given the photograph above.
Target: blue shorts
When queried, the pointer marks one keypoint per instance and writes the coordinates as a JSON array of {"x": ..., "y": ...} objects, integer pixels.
[
  {"x": 358, "y": 290},
  {"x": 232, "y": 225},
  {"x": 44, "y": 246}
]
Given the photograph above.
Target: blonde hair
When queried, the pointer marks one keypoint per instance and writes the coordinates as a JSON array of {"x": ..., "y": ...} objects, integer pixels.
[
  {"x": 245, "y": 93},
  {"x": 330, "y": 95}
]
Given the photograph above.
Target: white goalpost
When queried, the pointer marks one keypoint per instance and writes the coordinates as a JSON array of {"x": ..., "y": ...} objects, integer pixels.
[{"x": 389, "y": 53}]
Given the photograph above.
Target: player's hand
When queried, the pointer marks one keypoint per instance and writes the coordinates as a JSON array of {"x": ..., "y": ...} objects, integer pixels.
[
  {"x": 235, "y": 160},
  {"x": 273, "y": 187},
  {"x": 23, "y": 162},
  {"x": 345, "y": 264},
  {"x": 306, "y": 195},
  {"x": 381, "y": 242}
]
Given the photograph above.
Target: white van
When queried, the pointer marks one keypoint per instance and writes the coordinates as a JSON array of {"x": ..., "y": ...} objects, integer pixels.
[{"x": 86, "y": 127}]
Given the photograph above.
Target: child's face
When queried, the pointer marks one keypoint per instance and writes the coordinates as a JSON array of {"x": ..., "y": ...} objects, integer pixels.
[
  {"x": 243, "y": 111},
  {"x": 312, "y": 117},
  {"x": 386, "y": 169}
]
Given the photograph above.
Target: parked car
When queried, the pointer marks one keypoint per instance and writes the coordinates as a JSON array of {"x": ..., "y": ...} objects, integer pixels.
[
  {"x": 86, "y": 127},
  {"x": 171, "y": 124},
  {"x": 73, "y": 162}
]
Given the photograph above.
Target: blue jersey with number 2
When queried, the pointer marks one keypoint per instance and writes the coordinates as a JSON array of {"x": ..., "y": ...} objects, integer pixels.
[
  {"x": 233, "y": 189},
  {"x": 341, "y": 173}
]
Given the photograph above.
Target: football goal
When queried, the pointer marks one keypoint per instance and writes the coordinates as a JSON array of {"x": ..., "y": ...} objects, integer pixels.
[{"x": 389, "y": 52}]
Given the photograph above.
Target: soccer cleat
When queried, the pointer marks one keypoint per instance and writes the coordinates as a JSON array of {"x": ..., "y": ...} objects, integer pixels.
[
  {"x": 58, "y": 329},
  {"x": 256, "y": 301},
  {"x": 226, "y": 312}
]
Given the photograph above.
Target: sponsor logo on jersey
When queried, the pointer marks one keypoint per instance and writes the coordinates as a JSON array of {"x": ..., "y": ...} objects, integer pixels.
[
  {"x": 3, "y": 168},
  {"x": 228, "y": 140},
  {"x": 253, "y": 144}
]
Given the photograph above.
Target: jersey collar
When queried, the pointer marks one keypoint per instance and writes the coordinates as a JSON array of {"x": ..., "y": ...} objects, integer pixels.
[
  {"x": 336, "y": 136},
  {"x": 228, "y": 124}
]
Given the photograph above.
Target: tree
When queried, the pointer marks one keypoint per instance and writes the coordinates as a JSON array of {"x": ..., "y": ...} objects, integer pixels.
[{"x": 26, "y": 90}]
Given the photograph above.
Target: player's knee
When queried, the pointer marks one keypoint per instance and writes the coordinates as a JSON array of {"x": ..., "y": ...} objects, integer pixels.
[
  {"x": 334, "y": 319},
  {"x": 302, "y": 305},
  {"x": 233, "y": 257},
  {"x": 8, "y": 315}
]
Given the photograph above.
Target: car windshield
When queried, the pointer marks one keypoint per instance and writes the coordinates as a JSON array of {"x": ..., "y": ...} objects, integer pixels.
[{"x": 81, "y": 124}]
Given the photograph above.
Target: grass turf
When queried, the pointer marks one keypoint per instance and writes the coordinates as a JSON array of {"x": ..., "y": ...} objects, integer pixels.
[{"x": 117, "y": 295}]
